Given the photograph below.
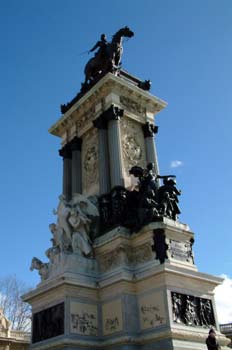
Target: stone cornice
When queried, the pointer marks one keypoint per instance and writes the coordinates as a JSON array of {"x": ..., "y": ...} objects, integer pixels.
[{"x": 107, "y": 85}]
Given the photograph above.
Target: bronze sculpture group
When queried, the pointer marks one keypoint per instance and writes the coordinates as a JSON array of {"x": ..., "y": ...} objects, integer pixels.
[
  {"x": 139, "y": 206},
  {"x": 192, "y": 311},
  {"x": 152, "y": 201}
]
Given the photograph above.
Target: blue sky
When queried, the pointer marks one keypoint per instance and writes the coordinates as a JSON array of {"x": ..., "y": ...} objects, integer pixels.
[{"x": 183, "y": 46}]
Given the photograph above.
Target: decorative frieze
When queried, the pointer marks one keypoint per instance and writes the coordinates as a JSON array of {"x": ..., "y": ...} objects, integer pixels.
[
  {"x": 125, "y": 254},
  {"x": 86, "y": 118},
  {"x": 132, "y": 106}
]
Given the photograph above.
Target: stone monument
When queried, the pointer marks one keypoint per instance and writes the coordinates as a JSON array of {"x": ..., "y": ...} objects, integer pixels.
[{"x": 120, "y": 272}]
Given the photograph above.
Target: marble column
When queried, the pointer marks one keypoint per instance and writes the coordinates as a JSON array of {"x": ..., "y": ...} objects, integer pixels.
[
  {"x": 104, "y": 171},
  {"x": 75, "y": 146},
  {"x": 149, "y": 131},
  {"x": 66, "y": 153},
  {"x": 113, "y": 116}
]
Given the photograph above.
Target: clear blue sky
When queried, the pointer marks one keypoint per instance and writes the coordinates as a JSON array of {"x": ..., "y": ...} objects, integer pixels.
[{"x": 183, "y": 46}]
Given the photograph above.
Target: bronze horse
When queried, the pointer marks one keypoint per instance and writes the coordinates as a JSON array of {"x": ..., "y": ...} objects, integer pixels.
[{"x": 110, "y": 58}]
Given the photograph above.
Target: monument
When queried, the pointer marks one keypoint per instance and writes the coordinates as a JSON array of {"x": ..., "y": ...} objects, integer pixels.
[{"x": 120, "y": 272}]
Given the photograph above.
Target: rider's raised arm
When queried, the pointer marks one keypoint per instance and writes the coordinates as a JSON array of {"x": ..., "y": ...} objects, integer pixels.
[{"x": 94, "y": 47}]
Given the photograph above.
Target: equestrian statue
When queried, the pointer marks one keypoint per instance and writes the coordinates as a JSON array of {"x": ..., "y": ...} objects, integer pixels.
[{"x": 108, "y": 56}]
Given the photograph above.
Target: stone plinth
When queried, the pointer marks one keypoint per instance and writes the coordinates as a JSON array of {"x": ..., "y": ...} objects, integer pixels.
[{"x": 127, "y": 295}]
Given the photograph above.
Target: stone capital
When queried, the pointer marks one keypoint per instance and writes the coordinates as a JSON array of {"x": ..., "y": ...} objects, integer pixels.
[
  {"x": 112, "y": 113},
  {"x": 100, "y": 123},
  {"x": 66, "y": 152},
  {"x": 149, "y": 129},
  {"x": 75, "y": 144}
]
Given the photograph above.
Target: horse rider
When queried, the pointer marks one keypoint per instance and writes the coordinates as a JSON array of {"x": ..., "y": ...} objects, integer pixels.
[{"x": 101, "y": 44}]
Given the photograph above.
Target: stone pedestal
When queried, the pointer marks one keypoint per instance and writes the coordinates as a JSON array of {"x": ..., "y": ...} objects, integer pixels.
[{"x": 128, "y": 295}]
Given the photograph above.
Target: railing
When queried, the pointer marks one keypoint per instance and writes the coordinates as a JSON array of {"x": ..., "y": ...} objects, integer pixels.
[
  {"x": 3, "y": 333},
  {"x": 20, "y": 335},
  {"x": 226, "y": 328}
]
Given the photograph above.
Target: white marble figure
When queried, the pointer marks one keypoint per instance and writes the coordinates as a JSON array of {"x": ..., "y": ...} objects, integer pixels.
[
  {"x": 71, "y": 233},
  {"x": 81, "y": 243},
  {"x": 4, "y": 322},
  {"x": 52, "y": 252},
  {"x": 37, "y": 264},
  {"x": 60, "y": 240},
  {"x": 73, "y": 224},
  {"x": 63, "y": 212}
]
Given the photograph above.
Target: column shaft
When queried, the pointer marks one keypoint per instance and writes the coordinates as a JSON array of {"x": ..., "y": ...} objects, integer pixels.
[
  {"x": 65, "y": 152},
  {"x": 75, "y": 146},
  {"x": 151, "y": 153},
  {"x": 104, "y": 171},
  {"x": 76, "y": 172},
  {"x": 115, "y": 153},
  {"x": 149, "y": 131},
  {"x": 67, "y": 178}
]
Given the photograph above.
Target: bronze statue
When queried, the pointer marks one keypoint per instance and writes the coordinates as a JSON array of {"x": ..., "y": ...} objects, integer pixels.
[
  {"x": 177, "y": 307},
  {"x": 168, "y": 197},
  {"x": 101, "y": 44},
  {"x": 108, "y": 57}
]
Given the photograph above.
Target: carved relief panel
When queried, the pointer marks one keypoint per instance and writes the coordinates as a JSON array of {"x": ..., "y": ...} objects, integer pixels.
[
  {"x": 133, "y": 146},
  {"x": 90, "y": 159},
  {"x": 83, "y": 318},
  {"x": 152, "y": 310},
  {"x": 112, "y": 317},
  {"x": 191, "y": 310}
]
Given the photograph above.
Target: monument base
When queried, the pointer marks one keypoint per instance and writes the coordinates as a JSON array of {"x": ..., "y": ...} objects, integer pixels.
[{"x": 141, "y": 291}]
